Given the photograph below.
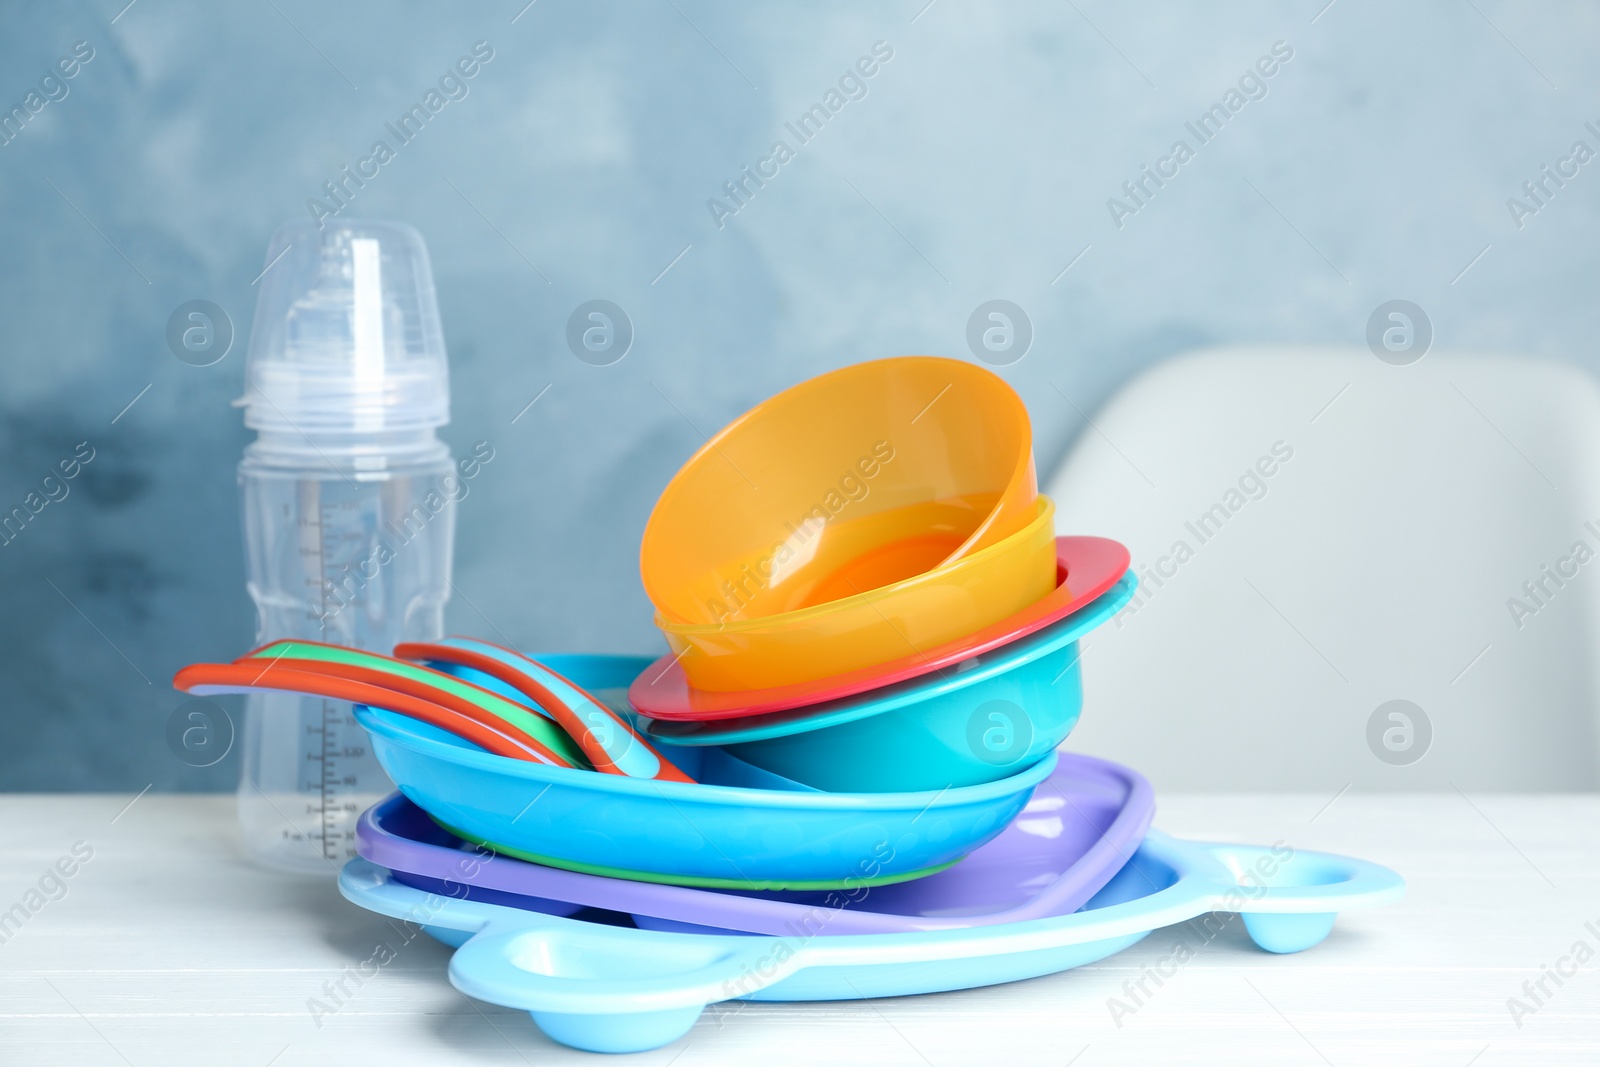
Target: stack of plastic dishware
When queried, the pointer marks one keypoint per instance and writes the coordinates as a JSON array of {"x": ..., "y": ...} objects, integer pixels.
[{"x": 842, "y": 782}]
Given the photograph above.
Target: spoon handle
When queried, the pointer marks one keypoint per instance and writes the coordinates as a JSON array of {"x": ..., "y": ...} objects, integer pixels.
[
  {"x": 469, "y": 699},
  {"x": 608, "y": 739},
  {"x": 205, "y": 679}
]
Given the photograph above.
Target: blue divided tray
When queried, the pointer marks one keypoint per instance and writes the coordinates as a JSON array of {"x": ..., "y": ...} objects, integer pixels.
[{"x": 619, "y": 989}]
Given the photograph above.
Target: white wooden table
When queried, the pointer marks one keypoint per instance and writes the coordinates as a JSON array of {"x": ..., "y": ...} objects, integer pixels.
[{"x": 167, "y": 948}]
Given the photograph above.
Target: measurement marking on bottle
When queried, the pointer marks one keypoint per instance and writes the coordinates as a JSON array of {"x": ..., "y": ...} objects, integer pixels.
[
  {"x": 329, "y": 815},
  {"x": 332, "y": 592}
]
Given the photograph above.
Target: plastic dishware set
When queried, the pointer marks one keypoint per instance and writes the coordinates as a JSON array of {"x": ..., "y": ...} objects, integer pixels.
[{"x": 841, "y": 782}]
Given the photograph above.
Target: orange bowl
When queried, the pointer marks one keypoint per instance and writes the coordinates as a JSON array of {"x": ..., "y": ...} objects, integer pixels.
[
  {"x": 849, "y": 482},
  {"x": 878, "y": 626}
]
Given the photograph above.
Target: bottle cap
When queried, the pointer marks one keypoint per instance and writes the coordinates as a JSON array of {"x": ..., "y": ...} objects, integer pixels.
[{"x": 346, "y": 336}]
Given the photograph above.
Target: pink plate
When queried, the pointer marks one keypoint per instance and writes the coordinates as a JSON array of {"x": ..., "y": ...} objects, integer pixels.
[{"x": 1085, "y": 568}]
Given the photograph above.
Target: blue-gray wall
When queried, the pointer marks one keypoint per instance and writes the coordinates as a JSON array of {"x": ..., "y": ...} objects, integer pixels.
[{"x": 978, "y": 165}]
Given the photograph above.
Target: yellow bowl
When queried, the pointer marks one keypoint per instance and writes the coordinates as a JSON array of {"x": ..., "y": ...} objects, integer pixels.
[
  {"x": 849, "y": 482},
  {"x": 870, "y": 628}
]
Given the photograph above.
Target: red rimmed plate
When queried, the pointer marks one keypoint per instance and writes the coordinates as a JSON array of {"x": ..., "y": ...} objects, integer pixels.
[{"x": 1085, "y": 568}]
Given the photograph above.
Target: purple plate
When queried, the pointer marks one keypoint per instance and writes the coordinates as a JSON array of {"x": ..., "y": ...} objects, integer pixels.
[{"x": 1081, "y": 826}]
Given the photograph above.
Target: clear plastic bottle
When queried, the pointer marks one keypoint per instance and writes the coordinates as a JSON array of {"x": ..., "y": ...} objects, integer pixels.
[{"x": 349, "y": 510}]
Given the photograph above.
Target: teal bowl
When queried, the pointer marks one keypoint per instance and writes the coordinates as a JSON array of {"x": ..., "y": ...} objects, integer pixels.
[{"x": 981, "y": 721}]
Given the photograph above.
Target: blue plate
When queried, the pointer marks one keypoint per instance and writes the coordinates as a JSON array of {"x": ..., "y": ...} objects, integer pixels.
[
  {"x": 751, "y": 833},
  {"x": 610, "y": 988},
  {"x": 980, "y": 721},
  {"x": 1081, "y": 826}
]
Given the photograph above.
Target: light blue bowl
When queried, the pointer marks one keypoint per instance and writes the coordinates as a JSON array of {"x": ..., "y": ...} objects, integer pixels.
[
  {"x": 986, "y": 719},
  {"x": 704, "y": 834}
]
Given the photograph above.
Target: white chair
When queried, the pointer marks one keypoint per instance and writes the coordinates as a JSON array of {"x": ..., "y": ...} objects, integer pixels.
[{"x": 1427, "y": 533}]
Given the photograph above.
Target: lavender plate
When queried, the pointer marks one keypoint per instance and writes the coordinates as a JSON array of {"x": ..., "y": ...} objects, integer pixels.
[{"x": 1082, "y": 825}]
